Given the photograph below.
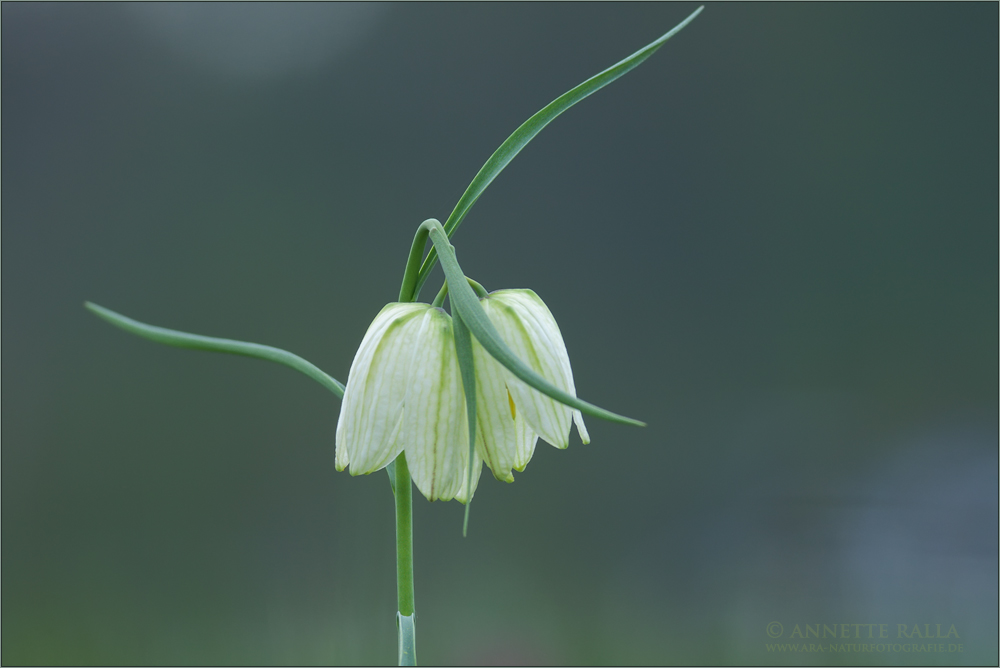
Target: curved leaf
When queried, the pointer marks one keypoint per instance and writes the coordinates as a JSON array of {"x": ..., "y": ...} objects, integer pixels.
[
  {"x": 172, "y": 337},
  {"x": 463, "y": 347},
  {"x": 466, "y": 304},
  {"x": 531, "y": 127}
]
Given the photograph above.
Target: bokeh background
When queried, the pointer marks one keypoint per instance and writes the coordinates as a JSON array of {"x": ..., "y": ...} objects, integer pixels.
[{"x": 776, "y": 241}]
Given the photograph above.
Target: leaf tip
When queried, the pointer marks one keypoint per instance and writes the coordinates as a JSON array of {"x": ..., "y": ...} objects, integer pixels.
[{"x": 99, "y": 310}]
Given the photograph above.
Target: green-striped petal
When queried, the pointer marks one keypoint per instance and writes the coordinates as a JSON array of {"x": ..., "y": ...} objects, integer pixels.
[
  {"x": 529, "y": 330},
  {"x": 368, "y": 429},
  {"x": 504, "y": 440},
  {"x": 435, "y": 427}
]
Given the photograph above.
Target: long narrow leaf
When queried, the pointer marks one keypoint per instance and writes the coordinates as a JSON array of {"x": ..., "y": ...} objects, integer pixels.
[
  {"x": 531, "y": 127},
  {"x": 172, "y": 337},
  {"x": 463, "y": 347},
  {"x": 466, "y": 304}
]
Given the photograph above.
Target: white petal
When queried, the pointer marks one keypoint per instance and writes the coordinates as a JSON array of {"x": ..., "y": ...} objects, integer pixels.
[
  {"x": 530, "y": 305},
  {"x": 369, "y": 422},
  {"x": 435, "y": 422},
  {"x": 503, "y": 440},
  {"x": 533, "y": 304},
  {"x": 581, "y": 428},
  {"x": 525, "y": 438},
  {"x": 477, "y": 469},
  {"x": 530, "y": 331}
]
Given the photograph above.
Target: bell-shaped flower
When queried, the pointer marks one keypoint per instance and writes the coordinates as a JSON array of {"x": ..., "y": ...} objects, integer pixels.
[
  {"x": 510, "y": 415},
  {"x": 404, "y": 394}
]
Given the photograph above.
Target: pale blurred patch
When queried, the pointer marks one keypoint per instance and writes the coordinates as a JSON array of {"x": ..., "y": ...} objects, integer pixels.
[{"x": 259, "y": 40}]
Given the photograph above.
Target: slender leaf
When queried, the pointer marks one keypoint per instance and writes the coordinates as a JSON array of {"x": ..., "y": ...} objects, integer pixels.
[
  {"x": 172, "y": 337},
  {"x": 463, "y": 347},
  {"x": 531, "y": 127},
  {"x": 466, "y": 305}
]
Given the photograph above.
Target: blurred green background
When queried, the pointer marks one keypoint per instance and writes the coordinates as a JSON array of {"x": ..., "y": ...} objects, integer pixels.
[{"x": 776, "y": 242}]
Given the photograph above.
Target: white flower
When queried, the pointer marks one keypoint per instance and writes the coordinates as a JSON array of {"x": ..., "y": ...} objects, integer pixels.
[
  {"x": 510, "y": 415},
  {"x": 404, "y": 394}
]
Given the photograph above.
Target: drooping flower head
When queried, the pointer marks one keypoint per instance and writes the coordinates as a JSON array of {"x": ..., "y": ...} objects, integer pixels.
[
  {"x": 404, "y": 394},
  {"x": 513, "y": 415}
]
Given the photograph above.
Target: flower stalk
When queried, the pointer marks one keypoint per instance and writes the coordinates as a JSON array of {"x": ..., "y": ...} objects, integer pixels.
[{"x": 403, "y": 491}]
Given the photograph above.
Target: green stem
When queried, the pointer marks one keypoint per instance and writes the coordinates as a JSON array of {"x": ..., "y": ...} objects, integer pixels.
[
  {"x": 404, "y": 536},
  {"x": 399, "y": 474},
  {"x": 402, "y": 489},
  {"x": 408, "y": 291},
  {"x": 442, "y": 293},
  {"x": 479, "y": 289},
  {"x": 404, "y": 562}
]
